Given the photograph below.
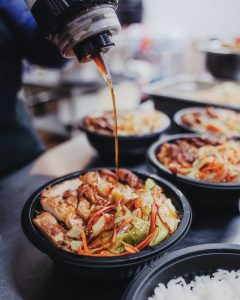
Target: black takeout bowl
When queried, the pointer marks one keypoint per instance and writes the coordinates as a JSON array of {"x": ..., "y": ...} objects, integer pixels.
[
  {"x": 223, "y": 64},
  {"x": 183, "y": 127},
  {"x": 129, "y": 146},
  {"x": 207, "y": 197},
  {"x": 187, "y": 263},
  {"x": 105, "y": 268}
]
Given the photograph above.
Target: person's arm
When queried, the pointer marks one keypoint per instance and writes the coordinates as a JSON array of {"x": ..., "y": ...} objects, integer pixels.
[{"x": 32, "y": 44}]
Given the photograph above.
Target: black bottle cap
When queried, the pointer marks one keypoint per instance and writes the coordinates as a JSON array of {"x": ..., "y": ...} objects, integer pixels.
[{"x": 88, "y": 48}]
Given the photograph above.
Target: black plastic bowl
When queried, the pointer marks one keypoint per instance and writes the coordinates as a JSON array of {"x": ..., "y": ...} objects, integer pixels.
[
  {"x": 184, "y": 128},
  {"x": 205, "y": 197},
  {"x": 129, "y": 146},
  {"x": 105, "y": 268},
  {"x": 223, "y": 64},
  {"x": 187, "y": 263}
]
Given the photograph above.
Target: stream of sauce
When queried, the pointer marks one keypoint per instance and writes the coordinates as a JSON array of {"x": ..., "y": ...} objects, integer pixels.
[{"x": 103, "y": 69}]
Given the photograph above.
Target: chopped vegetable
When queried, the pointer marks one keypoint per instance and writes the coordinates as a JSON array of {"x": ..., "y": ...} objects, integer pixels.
[
  {"x": 150, "y": 184},
  {"x": 75, "y": 245},
  {"x": 99, "y": 226},
  {"x": 75, "y": 232},
  {"x": 160, "y": 234},
  {"x": 130, "y": 248},
  {"x": 138, "y": 231}
]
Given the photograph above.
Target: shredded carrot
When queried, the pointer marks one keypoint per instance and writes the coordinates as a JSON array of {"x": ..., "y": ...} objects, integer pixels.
[
  {"x": 126, "y": 222},
  {"x": 106, "y": 254},
  {"x": 153, "y": 218},
  {"x": 138, "y": 203},
  {"x": 98, "y": 214},
  {"x": 80, "y": 250},
  {"x": 84, "y": 240},
  {"x": 129, "y": 247},
  {"x": 114, "y": 235},
  {"x": 229, "y": 177},
  {"x": 213, "y": 128},
  {"x": 130, "y": 203},
  {"x": 145, "y": 242},
  {"x": 101, "y": 248}
]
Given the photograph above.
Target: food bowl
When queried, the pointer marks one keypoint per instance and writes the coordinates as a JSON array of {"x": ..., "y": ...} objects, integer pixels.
[
  {"x": 105, "y": 268},
  {"x": 204, "y": 196},
  {"x": 187, "y": 263},
  {"x": 222, "y": 59},
  {"x": 132, "y": 146},
  {"x": 223, "y": 64},
  {"x": 185, "y": 128}
]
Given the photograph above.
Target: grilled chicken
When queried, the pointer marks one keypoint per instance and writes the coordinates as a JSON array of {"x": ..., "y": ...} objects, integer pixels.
[
  {"x": 71, "y": 198},
  {"x": 60, "y": 188},
  {"x": 65, "y": 213},
  {"x": 83, "y": 209},
  {"x": 131, "y": 179},
  {"x": 49, "y": 226}
]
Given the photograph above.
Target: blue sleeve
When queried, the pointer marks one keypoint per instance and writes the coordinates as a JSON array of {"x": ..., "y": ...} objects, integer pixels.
[{"x": 33, "y": 45}]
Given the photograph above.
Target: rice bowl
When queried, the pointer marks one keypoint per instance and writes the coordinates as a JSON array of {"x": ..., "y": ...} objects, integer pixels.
[
  {"x": 221, "y": 285},
  {"x": 189, "y": 263}
]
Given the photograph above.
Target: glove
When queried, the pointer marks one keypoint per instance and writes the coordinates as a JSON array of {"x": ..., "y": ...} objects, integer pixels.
[
  {"x": 32, "y": 44},
  {"x": 17, "y": 12}
]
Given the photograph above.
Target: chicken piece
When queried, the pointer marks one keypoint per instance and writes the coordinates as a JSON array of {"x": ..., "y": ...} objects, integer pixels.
[
  {"x": 100, "y": 124},
  {"x": 98, "y": 227},
  {"x": 94, "y": 179},
  {"x": 180, "y": 152},
  {"x": 104, "y": 223},
  {"x": 71, "y": 198},
  {"x": 90, "y": 178},
  {"x": 59, "y": 189},
  {"x": 83, "y": 209},
  {"x": 104, "y": 188},
  {"x": 108, "y": 176},
  {"x": 108, "y": 173},
  {"x": 211, "y": 112},
  {"x": 57, "y": 207},
  {"x": 65, "y": 213},
  {"x": 88, "y": 192},
  {"x": 49, "y": 226},
  {"x": 74, "y": 222},
  {"x": 130, "y": 178}
]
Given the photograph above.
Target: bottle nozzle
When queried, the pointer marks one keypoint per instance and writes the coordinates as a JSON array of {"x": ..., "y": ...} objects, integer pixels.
[{"x": 100, "y": 43}]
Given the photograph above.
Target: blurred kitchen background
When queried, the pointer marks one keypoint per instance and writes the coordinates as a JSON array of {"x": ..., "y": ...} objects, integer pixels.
[{"x": 159, "y": 39}]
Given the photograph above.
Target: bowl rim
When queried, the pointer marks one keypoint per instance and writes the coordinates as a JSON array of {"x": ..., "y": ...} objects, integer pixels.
[
  {"x": 170, "y": 259},
  {"x": 156, "y": 133},
  {"x": 221, "y": 51},
  {"x": 151, "y": 156},
  {"x": 43, "y": 244},
  {"x": 177, "y": 118}
]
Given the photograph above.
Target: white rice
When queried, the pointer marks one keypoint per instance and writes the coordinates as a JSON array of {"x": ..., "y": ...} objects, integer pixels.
[{"x": 221, "y": 285}]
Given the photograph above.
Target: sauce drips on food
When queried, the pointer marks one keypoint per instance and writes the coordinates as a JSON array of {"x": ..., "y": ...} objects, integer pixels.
[{"x": 103, "y": 69}]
